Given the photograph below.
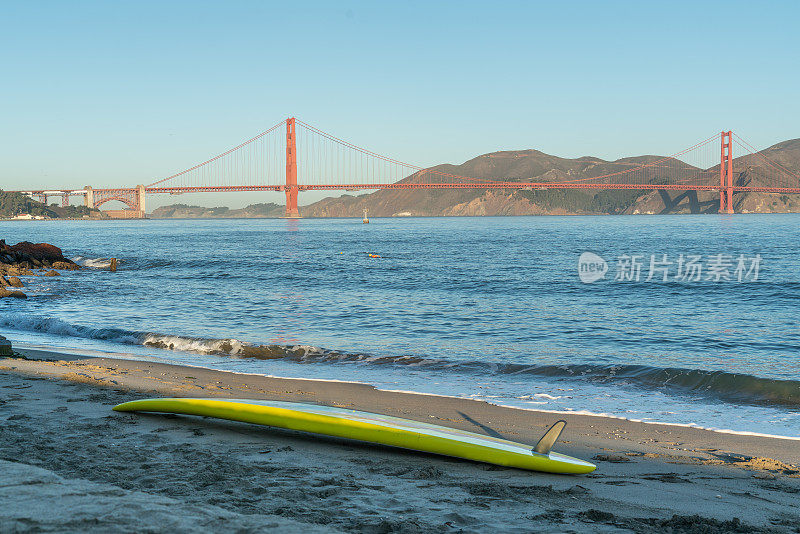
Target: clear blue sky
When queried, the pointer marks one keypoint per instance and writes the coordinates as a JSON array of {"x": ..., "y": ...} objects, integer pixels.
[{"x": 113, "y": 93}]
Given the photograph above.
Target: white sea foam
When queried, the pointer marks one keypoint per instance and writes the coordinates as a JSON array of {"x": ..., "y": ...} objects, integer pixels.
[
  {"x": 188, "y": 344},
  {"x": 546, "y": 396},
  {"x": 93, "y": 263}
]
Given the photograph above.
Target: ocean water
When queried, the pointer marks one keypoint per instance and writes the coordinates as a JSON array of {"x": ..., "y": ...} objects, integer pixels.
[{"x": 486, "y": 308}]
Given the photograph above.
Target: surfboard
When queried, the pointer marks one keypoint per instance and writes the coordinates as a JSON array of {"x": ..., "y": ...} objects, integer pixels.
[{"x": 376, "y": 428}]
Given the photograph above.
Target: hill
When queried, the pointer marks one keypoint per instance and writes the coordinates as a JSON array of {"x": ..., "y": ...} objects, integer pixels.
[
  {"x": 184, "y": 211},
  {"x": 12, "y": 204},
  {"x": 533, "y": 165},
  {"x": 748, "y": 171}
]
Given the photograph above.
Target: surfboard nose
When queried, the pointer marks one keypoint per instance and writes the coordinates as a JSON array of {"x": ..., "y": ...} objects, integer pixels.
[{"x": 576, "y": 465}]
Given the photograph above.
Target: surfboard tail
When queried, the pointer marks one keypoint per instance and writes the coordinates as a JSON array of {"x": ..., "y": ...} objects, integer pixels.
[{"x": 549, "y": 438}]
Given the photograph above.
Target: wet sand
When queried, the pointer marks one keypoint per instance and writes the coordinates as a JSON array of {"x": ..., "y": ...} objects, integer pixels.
[{"x": 69, "y": 463}]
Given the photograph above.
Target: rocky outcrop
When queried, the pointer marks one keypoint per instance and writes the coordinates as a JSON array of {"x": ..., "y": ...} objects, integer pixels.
[
  {"x": 20, "y": 260},
  {"x": 24, "y": 256},
  {"x": 31, "y": 251}
]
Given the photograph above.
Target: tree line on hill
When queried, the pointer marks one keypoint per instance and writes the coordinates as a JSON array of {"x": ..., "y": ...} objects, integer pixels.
[{"x": 13, "y": 204}]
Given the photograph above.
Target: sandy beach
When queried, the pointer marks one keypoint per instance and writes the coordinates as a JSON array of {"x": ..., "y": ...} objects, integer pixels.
[{"x": 71, "y": 464}]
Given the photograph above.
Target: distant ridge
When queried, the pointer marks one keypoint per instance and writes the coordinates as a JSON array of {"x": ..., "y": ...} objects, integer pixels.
[
  {"x": 534, "y": 165},
  {"x": 184, "y": 211}
]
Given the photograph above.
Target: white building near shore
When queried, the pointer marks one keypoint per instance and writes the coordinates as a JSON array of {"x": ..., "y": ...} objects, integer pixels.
[{"x": 27, "y": 217}]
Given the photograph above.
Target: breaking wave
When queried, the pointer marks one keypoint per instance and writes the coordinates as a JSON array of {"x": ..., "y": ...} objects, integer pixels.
[
  {"x": 730, "y": 387},
  {"x": 93, "y": 263}
]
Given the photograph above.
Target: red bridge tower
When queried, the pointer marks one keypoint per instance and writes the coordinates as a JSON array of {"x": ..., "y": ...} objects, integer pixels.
[
  {"x": 726, "y": 173},
  {"x": 291, "y": 171}
]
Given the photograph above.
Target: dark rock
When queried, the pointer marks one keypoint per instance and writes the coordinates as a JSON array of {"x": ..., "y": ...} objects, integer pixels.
[
  {"x": 15, "y": 294},
  {"x": 36, "y": 251},
  {"x": 66, "y": 265},
  {"x": 18, "y": 271},
  {"x": 5, "y": 347},
  {"x": 13, "y": 281},
  {"x": 51, "y": 273},
  {"x": 28, "y": 255}
]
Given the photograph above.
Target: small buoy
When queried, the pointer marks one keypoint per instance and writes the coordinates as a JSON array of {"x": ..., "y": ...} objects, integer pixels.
[
  {"x": 113, "y": 266},
  {"x": 365, "y": 220}
]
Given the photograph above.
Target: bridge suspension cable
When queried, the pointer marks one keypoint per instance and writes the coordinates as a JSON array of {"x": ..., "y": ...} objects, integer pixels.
[
  {"x": 332, "y": 161},
  {"x": 257, "y": 161},
  {"x": 755, "y": 170}
]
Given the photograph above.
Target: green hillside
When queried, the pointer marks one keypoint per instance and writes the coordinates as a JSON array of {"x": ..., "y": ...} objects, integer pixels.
[{"x": 12, "y": 204}]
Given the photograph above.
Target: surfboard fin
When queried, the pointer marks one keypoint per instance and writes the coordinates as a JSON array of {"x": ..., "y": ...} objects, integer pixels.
[{"x": 549, "y": 438}]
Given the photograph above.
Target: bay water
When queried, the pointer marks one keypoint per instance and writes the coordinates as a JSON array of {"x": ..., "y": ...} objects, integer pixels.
[{"x": 489, "y": 308}]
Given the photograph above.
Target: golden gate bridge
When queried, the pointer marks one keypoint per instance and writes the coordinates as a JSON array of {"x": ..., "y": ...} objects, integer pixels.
[{"x": 293, "y": 156}]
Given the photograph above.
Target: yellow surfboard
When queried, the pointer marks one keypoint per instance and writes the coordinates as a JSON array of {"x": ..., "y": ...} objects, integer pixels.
[{"x": 376, "y": 428}]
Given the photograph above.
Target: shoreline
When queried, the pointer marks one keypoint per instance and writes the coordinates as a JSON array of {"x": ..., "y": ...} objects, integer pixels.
[
  {"x": 81, "y": 358},
  {"x": 59, "y": 423},
  {"x": 89, "y": 353},
  {"x": 587, "y": 413}
]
